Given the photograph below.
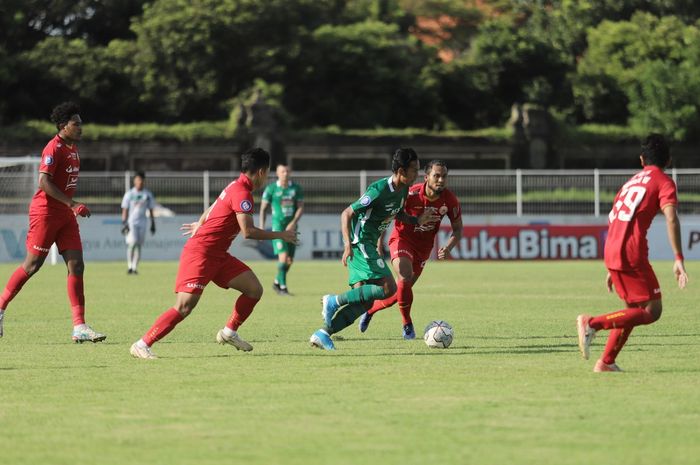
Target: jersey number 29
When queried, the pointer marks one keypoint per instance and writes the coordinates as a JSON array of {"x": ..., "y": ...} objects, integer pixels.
[{"x": 628, "y": 202}]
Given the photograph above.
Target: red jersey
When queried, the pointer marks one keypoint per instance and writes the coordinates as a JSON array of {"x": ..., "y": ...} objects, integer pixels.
[
  {"x": 423, "y": 237},
  {"x": 221, "y": 226},
  {"x": 634, "y": 208},
  {"x": 62, "y": 162}
]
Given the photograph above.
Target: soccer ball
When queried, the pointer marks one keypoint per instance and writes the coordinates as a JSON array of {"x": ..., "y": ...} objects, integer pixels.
[{"x": 438, "y": 334}]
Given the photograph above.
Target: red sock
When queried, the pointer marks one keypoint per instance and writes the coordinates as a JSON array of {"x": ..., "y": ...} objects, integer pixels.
[
  {"x": 616, "y": 340},
  {"x": 76, "y": 296},
  {"x": 241, "y": 311},
  {"x": 163, "y": 325},
  {"x": 381, "y": 304},
  {"x": 405, "y": 298},
  {"x": 628, "y": 317},
  {"x": 14, "y": 285}
]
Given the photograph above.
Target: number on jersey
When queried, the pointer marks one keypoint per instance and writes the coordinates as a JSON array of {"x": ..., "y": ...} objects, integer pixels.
[{"x": 629, "y": 200}]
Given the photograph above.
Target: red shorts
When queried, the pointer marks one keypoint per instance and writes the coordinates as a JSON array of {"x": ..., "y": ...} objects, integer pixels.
[
  {"x": 401, "y": 248},
  {"x": 197, "y": 268},
  {"x": 45, "y": 229},
  {"x": 636, "y": 286}
]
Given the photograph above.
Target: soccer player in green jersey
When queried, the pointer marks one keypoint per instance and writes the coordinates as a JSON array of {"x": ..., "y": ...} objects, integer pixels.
[
  {"x": 362, "y": 224},
  {"x": 287, "y": 201}
]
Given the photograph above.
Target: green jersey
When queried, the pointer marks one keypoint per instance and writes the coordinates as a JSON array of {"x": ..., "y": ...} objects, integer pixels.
[
  {"x": 284, "y": 201},
  {"x": 375, "y": 210}
]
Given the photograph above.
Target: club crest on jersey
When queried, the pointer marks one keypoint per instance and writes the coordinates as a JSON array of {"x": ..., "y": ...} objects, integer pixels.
[
  {"x": 48, "y": 160},
  {"x": 246, "y": 205},
  {"x": 365, "y": 200},
  {"x": 443, "y": 210}
]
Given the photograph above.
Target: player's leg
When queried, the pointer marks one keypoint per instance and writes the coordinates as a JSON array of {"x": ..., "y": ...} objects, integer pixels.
[
  {"x": 280, "y": 283},
  {"x": 76, "y": 296},
  {"x": 640, "y": 291},
  {"x": 130, "y": 248},
  {"x": 350, "y": 312},
  {"x": 235, "y": 274},
  {"x": 40, "y": 236},
  {"x": 195, "y": 271},
  {"x": 185, "y": 302},
  {"x": 140, "y": 230}
]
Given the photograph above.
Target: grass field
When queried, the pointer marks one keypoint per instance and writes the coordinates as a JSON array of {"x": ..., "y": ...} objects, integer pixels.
[{"x": 512, "y": 389}]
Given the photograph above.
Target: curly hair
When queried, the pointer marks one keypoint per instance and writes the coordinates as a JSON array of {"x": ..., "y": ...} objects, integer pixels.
[{"x": 63, "y": 112}]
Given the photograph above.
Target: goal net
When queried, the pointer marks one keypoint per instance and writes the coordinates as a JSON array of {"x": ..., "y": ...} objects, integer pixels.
[{"x": 18, "y": 183}]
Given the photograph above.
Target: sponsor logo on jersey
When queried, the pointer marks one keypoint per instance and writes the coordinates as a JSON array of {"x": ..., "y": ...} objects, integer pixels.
[
  {"x": 48, "y": 160},
  {"x": 380, "y": 263},
  {"x": 72, "y": 182},
  {"x": 72, "y": 169},
  {"x": 194, "y": 286},
  {"x": 40, "y": 249},
  {"x": 365, "y": 200},
  {"x": 246, "y": 205},
  {"x": 443, "y": 210}
]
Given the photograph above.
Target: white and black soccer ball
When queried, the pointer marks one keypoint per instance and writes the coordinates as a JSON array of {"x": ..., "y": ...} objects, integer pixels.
[{"x": 438, "y": 334}]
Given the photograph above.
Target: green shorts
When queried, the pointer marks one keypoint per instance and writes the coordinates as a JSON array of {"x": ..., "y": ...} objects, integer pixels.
[
  {"x": 366, "y": 264},
  {"x": 279, "y": 246}
]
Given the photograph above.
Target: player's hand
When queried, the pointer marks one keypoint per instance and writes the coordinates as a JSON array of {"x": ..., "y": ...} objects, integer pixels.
[
  {"x": 428, "y": 216},
  {"x": 80, "y": 209},
  {"x": 153, "y": 228},
  {"x": 189, "y": 229},
  {"x": 681, "y": 275},
  {"x": 347, "y": 254},
  {"x": 125, "y": 228},
  {"x": 291, "y": 227},
  {"x": 443, "y": 252},
  {"x": 289, "y": 236},
  {"x": 608, "y": 282}
]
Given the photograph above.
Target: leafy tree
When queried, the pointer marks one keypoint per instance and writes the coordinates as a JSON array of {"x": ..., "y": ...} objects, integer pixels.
[
  {"x": 363, "y": 75},
  {"x": 653, "y": 62}
]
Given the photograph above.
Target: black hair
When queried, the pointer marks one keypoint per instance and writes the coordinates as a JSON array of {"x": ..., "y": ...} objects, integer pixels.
[
  {"x": 655, "y": 150},
  {"x": 254, "y": 159},
  {"x": 402, "y": 158},
  {"x": 63, "y": 112},
  {"x": 432, "y": 163},
  {"x": 140, "y": 174}
]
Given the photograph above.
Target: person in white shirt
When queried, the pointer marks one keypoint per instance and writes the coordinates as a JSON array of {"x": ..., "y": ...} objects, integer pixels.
[{"x": 135, "y": 203}]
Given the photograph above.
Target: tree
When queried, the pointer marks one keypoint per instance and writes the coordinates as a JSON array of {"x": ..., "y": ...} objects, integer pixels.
[
  {"x": 363, "y": 75},
  {"x": 654, "y": 62}
]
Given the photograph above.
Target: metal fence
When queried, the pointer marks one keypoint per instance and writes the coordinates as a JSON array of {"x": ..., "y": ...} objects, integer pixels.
[{"x": 509, "y": 192}]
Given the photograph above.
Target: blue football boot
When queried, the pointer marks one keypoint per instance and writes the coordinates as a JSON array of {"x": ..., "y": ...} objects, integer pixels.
[
  {"x": 364, "y": 321},
  {"x": 329, "y": 305},
  {"x": 322, "y": 340},
  {"x": 408, "y": 331}
]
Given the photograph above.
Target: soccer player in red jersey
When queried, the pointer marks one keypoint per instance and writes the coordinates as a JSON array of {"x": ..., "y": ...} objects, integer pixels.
[
  {"x": 626, "y": 253},
  {"x": 410, "y": 245},
  {"x": 205, "y": 257},
  {"x": 52, "y": 220}
]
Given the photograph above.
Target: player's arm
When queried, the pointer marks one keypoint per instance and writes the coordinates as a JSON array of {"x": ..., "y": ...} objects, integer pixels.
[
  {"x": 292, "y": 226},
  {"x": 189, "y": 229},
  {"x": 380, "y": 243},
  {"x": 453, "y": 240},
  {"x": 428, "y": 216},
  {"x": 125, "y": 223},
  {"x": 673, "y": 228},
  {"x": 263, "y": 212},
  {"x": 345, "y": 226},
  {"x": 153, "y": 221},
  {"x": 46, "y": 184},
  {"x": 249, "y": 231}
]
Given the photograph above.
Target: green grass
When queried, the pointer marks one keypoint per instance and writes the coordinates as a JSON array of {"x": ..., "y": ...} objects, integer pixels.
[{"x": 511, "y": 389}]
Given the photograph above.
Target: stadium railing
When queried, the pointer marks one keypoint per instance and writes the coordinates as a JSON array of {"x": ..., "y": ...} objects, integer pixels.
[{"x": 497, "y": 192}]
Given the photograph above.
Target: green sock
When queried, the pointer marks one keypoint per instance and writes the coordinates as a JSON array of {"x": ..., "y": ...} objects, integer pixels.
[
  {"x": 281, "y": 274},
  {"x": 361, "y": 295},
  {"x": 345, "y": 317}
]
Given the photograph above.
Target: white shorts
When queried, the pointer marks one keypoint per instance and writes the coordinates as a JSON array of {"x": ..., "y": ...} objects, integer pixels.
[{"x": 136, "y": 235}]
